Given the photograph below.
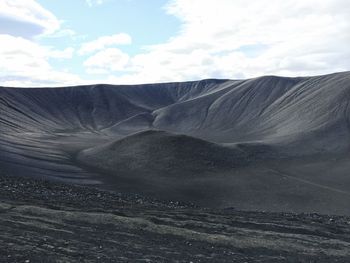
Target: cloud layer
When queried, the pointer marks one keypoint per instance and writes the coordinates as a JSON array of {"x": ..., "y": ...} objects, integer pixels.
[
  {"x": 103, "y": 42},
  {"x": 26, "y": 18},
  {"x": 24, "y": 62},
  {"x": 235, "y": 39},
  {"x": 217, "y": 39}
]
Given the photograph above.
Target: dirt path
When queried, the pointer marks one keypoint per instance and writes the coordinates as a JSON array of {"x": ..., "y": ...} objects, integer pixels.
[{"x": 309, "y": 182}]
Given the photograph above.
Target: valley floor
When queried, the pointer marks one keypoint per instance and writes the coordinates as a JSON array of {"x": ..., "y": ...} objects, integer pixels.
[{"x": 43, "y": 221}]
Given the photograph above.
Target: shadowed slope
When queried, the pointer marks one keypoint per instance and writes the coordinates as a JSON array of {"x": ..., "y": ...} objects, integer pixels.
[
  {"x": 263, "y": 143},
  {"x": 41, "y": 128},
  {"x": 162, "y": 154},
  {"x": 180, "y": 167}
]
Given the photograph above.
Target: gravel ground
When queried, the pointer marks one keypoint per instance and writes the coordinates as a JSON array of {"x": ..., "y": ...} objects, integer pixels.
[{"x": 45, "y": 221}]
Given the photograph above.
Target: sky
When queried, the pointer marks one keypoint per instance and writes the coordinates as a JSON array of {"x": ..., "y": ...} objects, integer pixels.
[{"x": 46, "y": 43}]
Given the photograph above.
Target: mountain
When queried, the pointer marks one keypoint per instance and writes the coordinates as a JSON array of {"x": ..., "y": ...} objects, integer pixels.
[{"x": 271, "y": 143}]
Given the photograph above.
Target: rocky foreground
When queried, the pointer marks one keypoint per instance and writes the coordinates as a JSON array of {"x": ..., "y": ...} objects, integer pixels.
[{"x": 42, "y": 221}]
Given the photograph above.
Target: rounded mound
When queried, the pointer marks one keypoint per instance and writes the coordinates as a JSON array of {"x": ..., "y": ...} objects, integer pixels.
[{"x": 160, "y": 153}]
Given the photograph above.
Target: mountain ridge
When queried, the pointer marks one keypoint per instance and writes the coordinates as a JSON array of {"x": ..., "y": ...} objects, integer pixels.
[{"x": 276, "y": 121}]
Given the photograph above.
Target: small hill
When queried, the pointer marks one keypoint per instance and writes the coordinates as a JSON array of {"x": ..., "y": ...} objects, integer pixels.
[{"x": 162, "y": 154}]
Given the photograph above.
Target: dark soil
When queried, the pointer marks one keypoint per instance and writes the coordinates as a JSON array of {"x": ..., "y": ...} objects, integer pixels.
[{"x": 42, "y": 221}]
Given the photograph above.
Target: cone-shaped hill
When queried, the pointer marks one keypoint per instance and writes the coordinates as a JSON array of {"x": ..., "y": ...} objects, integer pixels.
[{"x": 158, "y": 153}]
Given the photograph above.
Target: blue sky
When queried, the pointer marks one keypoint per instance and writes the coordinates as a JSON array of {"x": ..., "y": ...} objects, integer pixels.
[
  {"x": 146, "y": 22},
  {"x": 61, "y": 42}
]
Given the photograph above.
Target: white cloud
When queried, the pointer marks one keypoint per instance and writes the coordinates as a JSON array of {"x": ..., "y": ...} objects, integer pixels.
[
  {"x": 111, "y": 59},
  {"x": 62, "y": 33},
  {"x": 26, "y": 18},
  {"x": 239, "y": 39},
  {"x": 62, "y": 54},
  {"x": 94, "y": 2},
  {"x": 103, "y": 42},
  {"x": 220, "y": 39},
  {"x": 25, "y": 63}
]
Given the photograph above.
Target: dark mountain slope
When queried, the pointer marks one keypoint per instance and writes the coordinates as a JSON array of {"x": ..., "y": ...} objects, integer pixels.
[
  {"x": 85, "y": 107},
  {"x": 41, "y": 128},
  {"x": 272, "y": 109},
  {"x": 288, "y": 130}
]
